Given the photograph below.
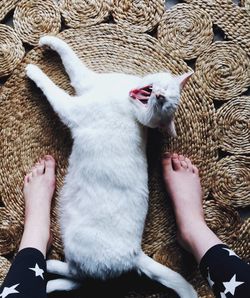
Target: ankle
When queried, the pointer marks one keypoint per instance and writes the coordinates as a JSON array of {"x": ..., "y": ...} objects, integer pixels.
[
  {"x": 198, "y": 239},
  {"x": 39, "y": 225},
  {"x": 37, "y": 209},
  {"x": 188, "y": 233},
  {"x": 36, "y": 237},
  {"x": 187, "y": 221},
  {"x": 37, "y": 229}
]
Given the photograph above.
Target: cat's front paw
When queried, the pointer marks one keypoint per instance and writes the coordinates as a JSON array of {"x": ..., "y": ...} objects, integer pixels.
[
  {"x": 50, "y": 41},
  {"x": 33, "y": 72}
]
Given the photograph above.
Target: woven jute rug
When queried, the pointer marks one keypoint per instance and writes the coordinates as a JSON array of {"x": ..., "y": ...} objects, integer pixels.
[{"x": 212, "y": 120}]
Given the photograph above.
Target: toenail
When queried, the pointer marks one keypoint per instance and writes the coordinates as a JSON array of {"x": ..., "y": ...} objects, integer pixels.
[
  {"x": 175, "y": 155},
  {"x": 166, "y": 155}
]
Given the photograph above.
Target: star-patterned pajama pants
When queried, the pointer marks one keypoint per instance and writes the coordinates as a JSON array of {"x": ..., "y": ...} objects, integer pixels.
[
  {"x": 226, "y": 273},
  {"x": 26, "y": 277}
]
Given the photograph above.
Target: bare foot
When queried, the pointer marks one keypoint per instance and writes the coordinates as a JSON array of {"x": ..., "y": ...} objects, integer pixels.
[
  {"x": 183, "y": 185},
  {"x": 39, "y": 187}
]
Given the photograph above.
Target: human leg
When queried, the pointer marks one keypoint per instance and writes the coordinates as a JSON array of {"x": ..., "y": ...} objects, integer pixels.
[
  {"x": 226, "y": 273},
  {"x": 26, "y": 277}
]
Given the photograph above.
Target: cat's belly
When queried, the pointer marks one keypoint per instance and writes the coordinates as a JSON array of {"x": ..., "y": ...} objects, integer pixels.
[
  {"x": 102, "y": 228},
  {"x": 101, "y": 254},
  {"x": 103, "y": 204}
]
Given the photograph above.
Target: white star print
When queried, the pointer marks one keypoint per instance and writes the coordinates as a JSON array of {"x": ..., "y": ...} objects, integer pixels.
[
  {"x": 231, "y": 253},
  {"x": 211, "y": 283},
  {"x": 231, "y": 285},
  {"x": 38, "y": 271},
  {"x": 222, "y": 295},
  {"x": 9, "y": 290}
]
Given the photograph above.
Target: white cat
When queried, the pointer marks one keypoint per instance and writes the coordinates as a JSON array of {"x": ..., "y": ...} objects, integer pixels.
[{"x": 104, "y": 200}]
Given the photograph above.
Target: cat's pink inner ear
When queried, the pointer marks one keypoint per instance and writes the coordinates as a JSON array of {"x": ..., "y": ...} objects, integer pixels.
[{"x": 183, "y": 79}]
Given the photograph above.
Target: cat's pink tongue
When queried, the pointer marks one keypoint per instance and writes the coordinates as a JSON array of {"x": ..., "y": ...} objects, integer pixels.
[{"x": 141, "y": 94}]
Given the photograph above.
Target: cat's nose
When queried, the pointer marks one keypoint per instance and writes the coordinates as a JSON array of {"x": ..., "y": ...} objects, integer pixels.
[{"x": 160, "y": 98}]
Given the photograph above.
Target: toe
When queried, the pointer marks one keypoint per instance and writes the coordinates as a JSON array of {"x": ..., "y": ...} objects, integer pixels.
[
  {"x": 189, "y": 164},
  {"x": 40, "y": 167},
  {"x": 181, "y": 157},
  {"x": 26, "y": 179},
  {"x": 34, "y": 172},
  {"x": 166, "y": 162},
  {"x": 176, "y": 162},
  {"x": 49, "y": 164},
  {"x": 29, "y": 177},
  {"x": 195, "y": 170},
  {"x": 183, "y": 162}
]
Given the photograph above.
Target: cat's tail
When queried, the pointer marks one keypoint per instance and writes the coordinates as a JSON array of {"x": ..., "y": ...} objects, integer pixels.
[
  {"x": 61, "y": 268},
  {"x": 165, "y": 276}
]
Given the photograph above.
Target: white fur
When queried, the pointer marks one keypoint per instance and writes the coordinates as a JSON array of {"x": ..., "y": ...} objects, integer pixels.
[{"x": 104, "y": 200}]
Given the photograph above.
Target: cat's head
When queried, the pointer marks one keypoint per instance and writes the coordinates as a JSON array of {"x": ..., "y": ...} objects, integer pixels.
[{"x": 157, "y": 98}]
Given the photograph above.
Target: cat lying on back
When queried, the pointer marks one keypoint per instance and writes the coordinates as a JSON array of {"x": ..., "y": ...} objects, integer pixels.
[{"x": 104, "y": 200}]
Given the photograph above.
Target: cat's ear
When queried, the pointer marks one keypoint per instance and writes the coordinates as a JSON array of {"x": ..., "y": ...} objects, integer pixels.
[
  {"x": 171, "y": 128},
  {"x": 184, "y": 78}
]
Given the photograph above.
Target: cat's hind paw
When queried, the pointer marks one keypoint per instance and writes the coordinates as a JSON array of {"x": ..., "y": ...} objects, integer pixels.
[
  {"x": 61, "y": 285},
  {"x": 58, "y": 267}
]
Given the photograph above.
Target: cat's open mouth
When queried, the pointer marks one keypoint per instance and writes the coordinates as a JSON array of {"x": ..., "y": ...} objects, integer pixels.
[{"x": 141, "y": 94}]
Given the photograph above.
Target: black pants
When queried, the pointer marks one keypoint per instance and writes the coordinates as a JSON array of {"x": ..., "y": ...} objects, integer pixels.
[
  {"x": 226, "y": 273},
  {"x": 26, "y": 277}
]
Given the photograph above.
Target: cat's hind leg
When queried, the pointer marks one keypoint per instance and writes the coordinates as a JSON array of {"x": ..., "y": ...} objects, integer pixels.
[
  {"x": 62, "y": 284},
  {"x": 61, "y": 102},
  {"x": 165, "y": 276},
  {"x": 58, "y": 267},
  {"x": 79, "y": 74}
]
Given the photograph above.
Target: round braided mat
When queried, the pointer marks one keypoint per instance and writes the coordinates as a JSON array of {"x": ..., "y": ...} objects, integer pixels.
[
  {"x": 11, "y": 50},
  {"x": 139, "y": 15},
  {"x": 31, "y": 129},
  {"x": 186, "y": 31},
  {"x": 9, "y": 231},
  {"x": 233, "y": 130},
  {"x": 231, "y": 18},
  {"x": 6, "y": 6},
  {"x": 231, "y": 181},
  {"x": 82, "y": 13},
  {"x": 35, "y": 18},
  {"x": 223, "y": 220},
  {"x": 246, "y": 5},
  {"x": 4, "y": 268},
  {"x": 242, "y": 245},
  {"x": 224, "y": 70}
]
